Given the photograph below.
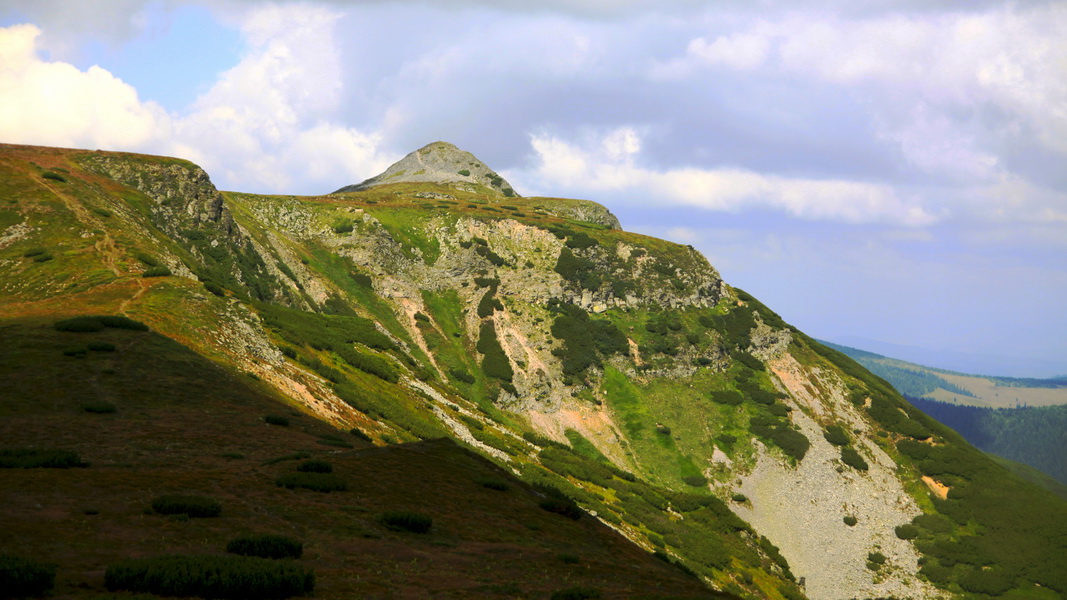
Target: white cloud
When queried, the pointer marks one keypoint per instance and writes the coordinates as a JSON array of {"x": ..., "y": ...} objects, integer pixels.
[
  {"x": 601, "y": 167},
  {"x": 263, "y": 125},
  {"x": 55, "y": 104},
  {"x": 742, "y": 51}
]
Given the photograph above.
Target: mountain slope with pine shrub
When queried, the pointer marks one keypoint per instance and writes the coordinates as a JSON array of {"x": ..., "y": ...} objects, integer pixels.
[{"x": 656, "y": 432}]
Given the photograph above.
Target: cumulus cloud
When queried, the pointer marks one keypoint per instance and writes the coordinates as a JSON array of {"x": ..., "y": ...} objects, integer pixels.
[
  {"x": 264, "y": 124},
  {"x": 55, "y": 104},
  {"x": 601, "y": 167}
]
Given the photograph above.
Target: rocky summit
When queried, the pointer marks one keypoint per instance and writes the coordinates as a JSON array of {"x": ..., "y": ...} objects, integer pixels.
[
  {"x": 441, "y": 162},
  {"x": 441, "y": 389}
]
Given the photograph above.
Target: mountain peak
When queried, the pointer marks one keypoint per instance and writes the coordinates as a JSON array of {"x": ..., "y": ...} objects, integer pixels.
[{"x": 440, "y": 162}]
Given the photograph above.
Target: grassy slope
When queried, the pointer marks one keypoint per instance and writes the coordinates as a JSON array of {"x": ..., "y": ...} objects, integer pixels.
[
  {"x": 706, "y": 541},
  {"x": 185, "y": 425}
]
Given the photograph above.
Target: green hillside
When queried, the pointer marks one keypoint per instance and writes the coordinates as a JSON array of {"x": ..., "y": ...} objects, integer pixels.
[{"x": 711, "y": 446}]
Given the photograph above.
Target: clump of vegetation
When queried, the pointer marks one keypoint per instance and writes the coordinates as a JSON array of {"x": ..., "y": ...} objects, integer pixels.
[
  {"x": 214, "y": 288},
  {"x": 906, "y": 531},
  {"x": 156, "y": 272},
  {"x": 33, "y": 458},
  {"x": 836, "y": 435},
  {"x": 495, "y": 362},
  {"x": 407, "y": 521},
  {"x": 850, "y": 520},
  {"x": 343, "y": 226},
  {"x": 555, "y": 501},
  {"x": 293, "y": 456},
  {"x": 315, "y": 466},
  {"x": 576, "y": 593},
  {"x": 464, "y": 172},
  {"x": 94, "y": 324},
  {"x": 279, "y": 420},
  {"x": 462, "y": 375},
  {"x": 492, "y": 484},
  {"x": 99, "y": 407},
  {"x": 193, "y": 506},
  {"x": 54, "y": 176},
  {"x": 265, "y": 546},
  {"x": 316, "y": 482},
  {"x": 727, "y": 397},
  {"x": 25, "y": 578},
  {"x": 231, "y": 577},
  {"x": 101, "y": 346},
  {"x": 850, "y": 457},
  {"x": 585, "y": 340},
  {"x": 875, "y": 560}
]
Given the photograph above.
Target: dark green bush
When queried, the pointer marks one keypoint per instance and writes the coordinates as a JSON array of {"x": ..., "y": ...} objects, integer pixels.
[
  {"x": 34, "y": 252},
  {"x": 492, "y": 484},
  {"x": 214, "y": 288},
  {"x": 876, "y": 557},
  {"x": 569, "y": 559},
  {"x": 851, "y": 521},
  {"x": 156, "y": 272},
  {"x": 836, "y": 435},
  {"x": 76, "y": 351},
  {"x": 231, "y": 577},
  {"x": 464, "y": 172},
  {"x": 54, "y": 176},
  {"x": 907, "y": 531},
  {"x": 147, "y": 259},
  {"x": 80, "y": 325},
  {"x": 315, "y": 466},
  {"x": 407, "y": 521},
  {"x": 576, "y": 593},
  {"x": 99, "y": 407},
  {"x": 992, "y": 582},
  {"x": 561, "y": 505},
  {"x": 850, "y": 457},
  {"x": 360, "y": 434},
  {"x": 277, "y": 420},
  {"x": 101, "y": 346},
  {"x": 32, "y": 458},
  {"x": 24, "y": 578},
  {"x": 43, "y": 258},
  {"x": 265, "y": 546},
  {"x": 695, "y": 481},
  {"x": 495, "y": 362},
  {"x": 343, "y": 226},
  {"x": 727, "y": 397},
  {"x": 187, "y": 504},
  {"x": 738, "y": 497},
  {"x": 318, "y": 482},
  {"x": 462, "y": 375}
]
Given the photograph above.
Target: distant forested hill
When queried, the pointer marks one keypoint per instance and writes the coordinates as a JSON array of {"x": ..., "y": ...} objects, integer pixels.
[{"x": 1032, "y": 435}]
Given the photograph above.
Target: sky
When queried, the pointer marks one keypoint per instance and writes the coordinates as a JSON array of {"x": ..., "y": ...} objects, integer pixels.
[{"x": 886, "y": 174}]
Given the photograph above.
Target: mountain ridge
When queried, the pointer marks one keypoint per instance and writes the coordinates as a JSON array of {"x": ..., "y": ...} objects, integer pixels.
[{"x": 618, "y": 368}]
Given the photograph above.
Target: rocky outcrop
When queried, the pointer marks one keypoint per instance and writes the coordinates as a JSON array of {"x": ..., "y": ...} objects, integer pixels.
[{"x": 440, "y": 162}]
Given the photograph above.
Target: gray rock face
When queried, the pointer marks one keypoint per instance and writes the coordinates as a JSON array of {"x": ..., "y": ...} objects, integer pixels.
[{"x": 440, "y": 162}]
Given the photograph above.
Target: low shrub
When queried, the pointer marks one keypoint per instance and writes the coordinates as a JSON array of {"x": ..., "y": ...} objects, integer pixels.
[
  {"x": 850, "y": 457},
  {"x": 406, "y": 521},
  {"x": 317, "y": 482},
  {"x": 76, "y": 352},
  {"x": 360, "y": 434},
  {"x": 25, "y": 578},
  {"x": 315, "y": 466},
  {"x": 277, "y": 420},
  {"x": 695, "y": 481},
  {"x": 461, "y": 375},
  {"x": 214, "y": 288},
  {"x": 907, "y": 531},
  {"x": 147, "y": 259},
  {"x": 850, "y": 521},
  {"x": 156, "y": 272},
  {"x": 187, "y": 504},
  {"x": 80, "y": 325},
  {"x": 492, "y": 484},
  {"x": 464, "y": 172},
  {"x": 739, "y": 497},
  {"x": 235, "y": 577},
  {"x": 54, "y": 176},
  {"x": 32, "y": 458},
  {"x": 293, "y": 456},
  {"x": 569, "y": 559},
  {"x": 99, "y": 407},
  {"x": 576, "y": 593},
  {"x": 265, "y": 546},
  {"x": 836, "y": 435},
  {"x": 101, "y": 346},
  {"x": 875, "y": 560}
]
